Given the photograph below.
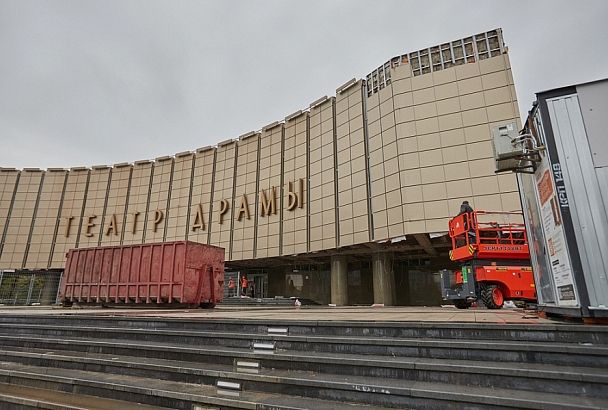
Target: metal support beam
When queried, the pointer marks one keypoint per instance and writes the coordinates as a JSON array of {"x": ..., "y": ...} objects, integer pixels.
[{"x": 425, "y": 242}]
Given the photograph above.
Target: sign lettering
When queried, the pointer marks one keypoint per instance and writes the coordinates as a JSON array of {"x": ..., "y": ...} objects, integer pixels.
[{"x": 267, "y": 203}]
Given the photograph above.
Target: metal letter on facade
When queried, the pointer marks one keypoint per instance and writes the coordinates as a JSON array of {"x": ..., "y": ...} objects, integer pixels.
[
  {"x": 199, "y": 222},
  {"x": 68, "y": 225},
  {"x": 292, "y": 197},
  {"x": 89, "y": 225},
  {"x": 295, "y": 199},
  {"x": 244, "y": 208},
  {"x": 112, "y": 226},
  {"x": 268, "y": 206},
  {"x": 224, "y": 206},
  {"x": 135, "y": 215},
  {"x": 158, "y": 217}
]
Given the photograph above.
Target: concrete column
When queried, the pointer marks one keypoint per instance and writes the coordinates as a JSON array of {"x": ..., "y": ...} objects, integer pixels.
[
  {"x": 339, "y": 281},
  {"x": 384, "y": 278}
]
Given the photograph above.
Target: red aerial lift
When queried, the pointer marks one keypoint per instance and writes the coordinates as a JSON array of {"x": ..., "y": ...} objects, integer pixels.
[{"x": 494, "y": 257}]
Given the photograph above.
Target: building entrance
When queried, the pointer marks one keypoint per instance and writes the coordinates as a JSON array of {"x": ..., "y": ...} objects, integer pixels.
[{"x": 256, "y": 284}]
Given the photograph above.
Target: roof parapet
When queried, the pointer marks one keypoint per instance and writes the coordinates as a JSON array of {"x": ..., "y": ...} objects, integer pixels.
[
  {"x": 294, "y": 115},
  {"x": 204, "y": 149},
  {"x": 271, "y": 126},
  {"x": 163, "y": 158},
  {"x": 225, "y": 142},
  {"x": 346, "y": 86},
  {"x": 143, "y": 162},
  {"x": 318, "y": 102},
  {"x": 247, "y": 135}
]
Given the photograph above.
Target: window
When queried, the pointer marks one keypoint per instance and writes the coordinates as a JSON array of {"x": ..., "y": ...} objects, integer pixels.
[{"x": 458, "y": 52}]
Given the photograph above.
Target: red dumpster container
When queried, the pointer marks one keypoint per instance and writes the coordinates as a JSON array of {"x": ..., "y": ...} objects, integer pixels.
[{"x": 181, "y": 272}]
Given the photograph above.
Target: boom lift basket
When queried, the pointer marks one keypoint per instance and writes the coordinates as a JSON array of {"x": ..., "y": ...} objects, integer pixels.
[{"x": 479, "y": 234}]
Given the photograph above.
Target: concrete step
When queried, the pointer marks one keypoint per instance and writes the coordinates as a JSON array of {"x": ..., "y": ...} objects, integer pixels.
[
  {"x": 14, "y": 396},
  {"x": 205, "y": 363},
  {"x": 299, "y": 390},
  {"x": 315, "y": 364},
  {"x": 560, "y": 333},
  {"x": 569, "y": 354},
  {"x": 156, "y": 391}
]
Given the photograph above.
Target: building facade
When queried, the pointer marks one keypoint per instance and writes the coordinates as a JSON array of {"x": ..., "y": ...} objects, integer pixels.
[{"x": 345, "y": 202}]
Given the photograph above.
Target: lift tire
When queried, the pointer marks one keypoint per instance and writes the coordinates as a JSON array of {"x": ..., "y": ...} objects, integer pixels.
[
  {"x": 492, "y": 297},
  {"x": 462, "y": 303}
]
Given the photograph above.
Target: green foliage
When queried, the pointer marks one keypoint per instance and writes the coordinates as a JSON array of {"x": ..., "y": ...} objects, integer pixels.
[{"x": 15, "y": 287}]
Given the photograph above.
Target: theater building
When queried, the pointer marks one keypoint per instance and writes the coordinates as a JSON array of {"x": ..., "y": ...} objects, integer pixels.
[{"x": 344, "y": 202}]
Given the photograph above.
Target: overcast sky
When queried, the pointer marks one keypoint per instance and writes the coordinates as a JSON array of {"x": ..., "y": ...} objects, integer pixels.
[{"x": 103, "y": 82}]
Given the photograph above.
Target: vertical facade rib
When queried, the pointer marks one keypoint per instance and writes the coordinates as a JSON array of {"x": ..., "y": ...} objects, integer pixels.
[
  {"x": 221, "y": 223},
  {"x": 202, "y": 189},
  {"x": 177, "y": 213},
  {"x": 115, "y": 211},
  {"x": 323, "y": 198},
  {"x": 245, "y": 197},
  {"x": 294, "y": 181}
]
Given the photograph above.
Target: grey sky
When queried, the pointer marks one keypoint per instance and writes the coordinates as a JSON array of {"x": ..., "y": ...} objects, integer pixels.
[{"x": 102, "y": 82}]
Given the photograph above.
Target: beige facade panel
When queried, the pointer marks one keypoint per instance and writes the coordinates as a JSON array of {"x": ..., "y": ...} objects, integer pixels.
[
  {"x": 70, "y": 220},
  {"x": 450, "y": 113},
  {"x": 96, "y": 195},
  {"x": 223, "y": 203},
  {"x": 351, "y": 162},
  {"x": 294, "y": 209},
  {"x": 383, "y": 159},
  {"x": 47, "y": 219},
  {"x": 21, "y": 220},
  {"x": 114, "y": 218},
  {"x": 202, "y": 187},
  {"x": 245, "y": 199},
  {"x": 270, "y": 192},
  {"x": 137, "y": 203},
  {"x": 156, "y": 217},
  {"x": 177, "y": 214},
  {"x": 8, "y": 183},
  {"x": 322, "y": 200}
]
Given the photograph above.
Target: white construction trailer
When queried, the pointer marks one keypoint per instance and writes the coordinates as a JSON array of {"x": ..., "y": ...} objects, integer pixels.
[{"x": 561, "y": 157}]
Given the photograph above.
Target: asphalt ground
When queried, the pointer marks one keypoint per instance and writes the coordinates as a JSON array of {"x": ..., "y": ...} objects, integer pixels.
[{"x": 306, "y": 313}]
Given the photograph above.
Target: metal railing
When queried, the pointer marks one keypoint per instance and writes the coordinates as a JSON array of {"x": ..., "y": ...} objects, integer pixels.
[{"x": 23, "y": 288}]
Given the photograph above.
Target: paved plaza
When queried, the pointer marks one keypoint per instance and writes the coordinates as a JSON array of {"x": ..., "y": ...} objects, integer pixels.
[{"x": 352, "y": 313}]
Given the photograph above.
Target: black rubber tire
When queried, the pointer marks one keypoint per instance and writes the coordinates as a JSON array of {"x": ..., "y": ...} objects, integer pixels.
[
  {"x": 487, "y": 299},
  {"x": 462, "y": 303},
  {"x": 207, "y": 305}
]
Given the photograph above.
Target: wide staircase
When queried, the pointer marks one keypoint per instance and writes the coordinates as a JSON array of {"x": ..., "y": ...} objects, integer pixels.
[{"x": 103, "y": 362}]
